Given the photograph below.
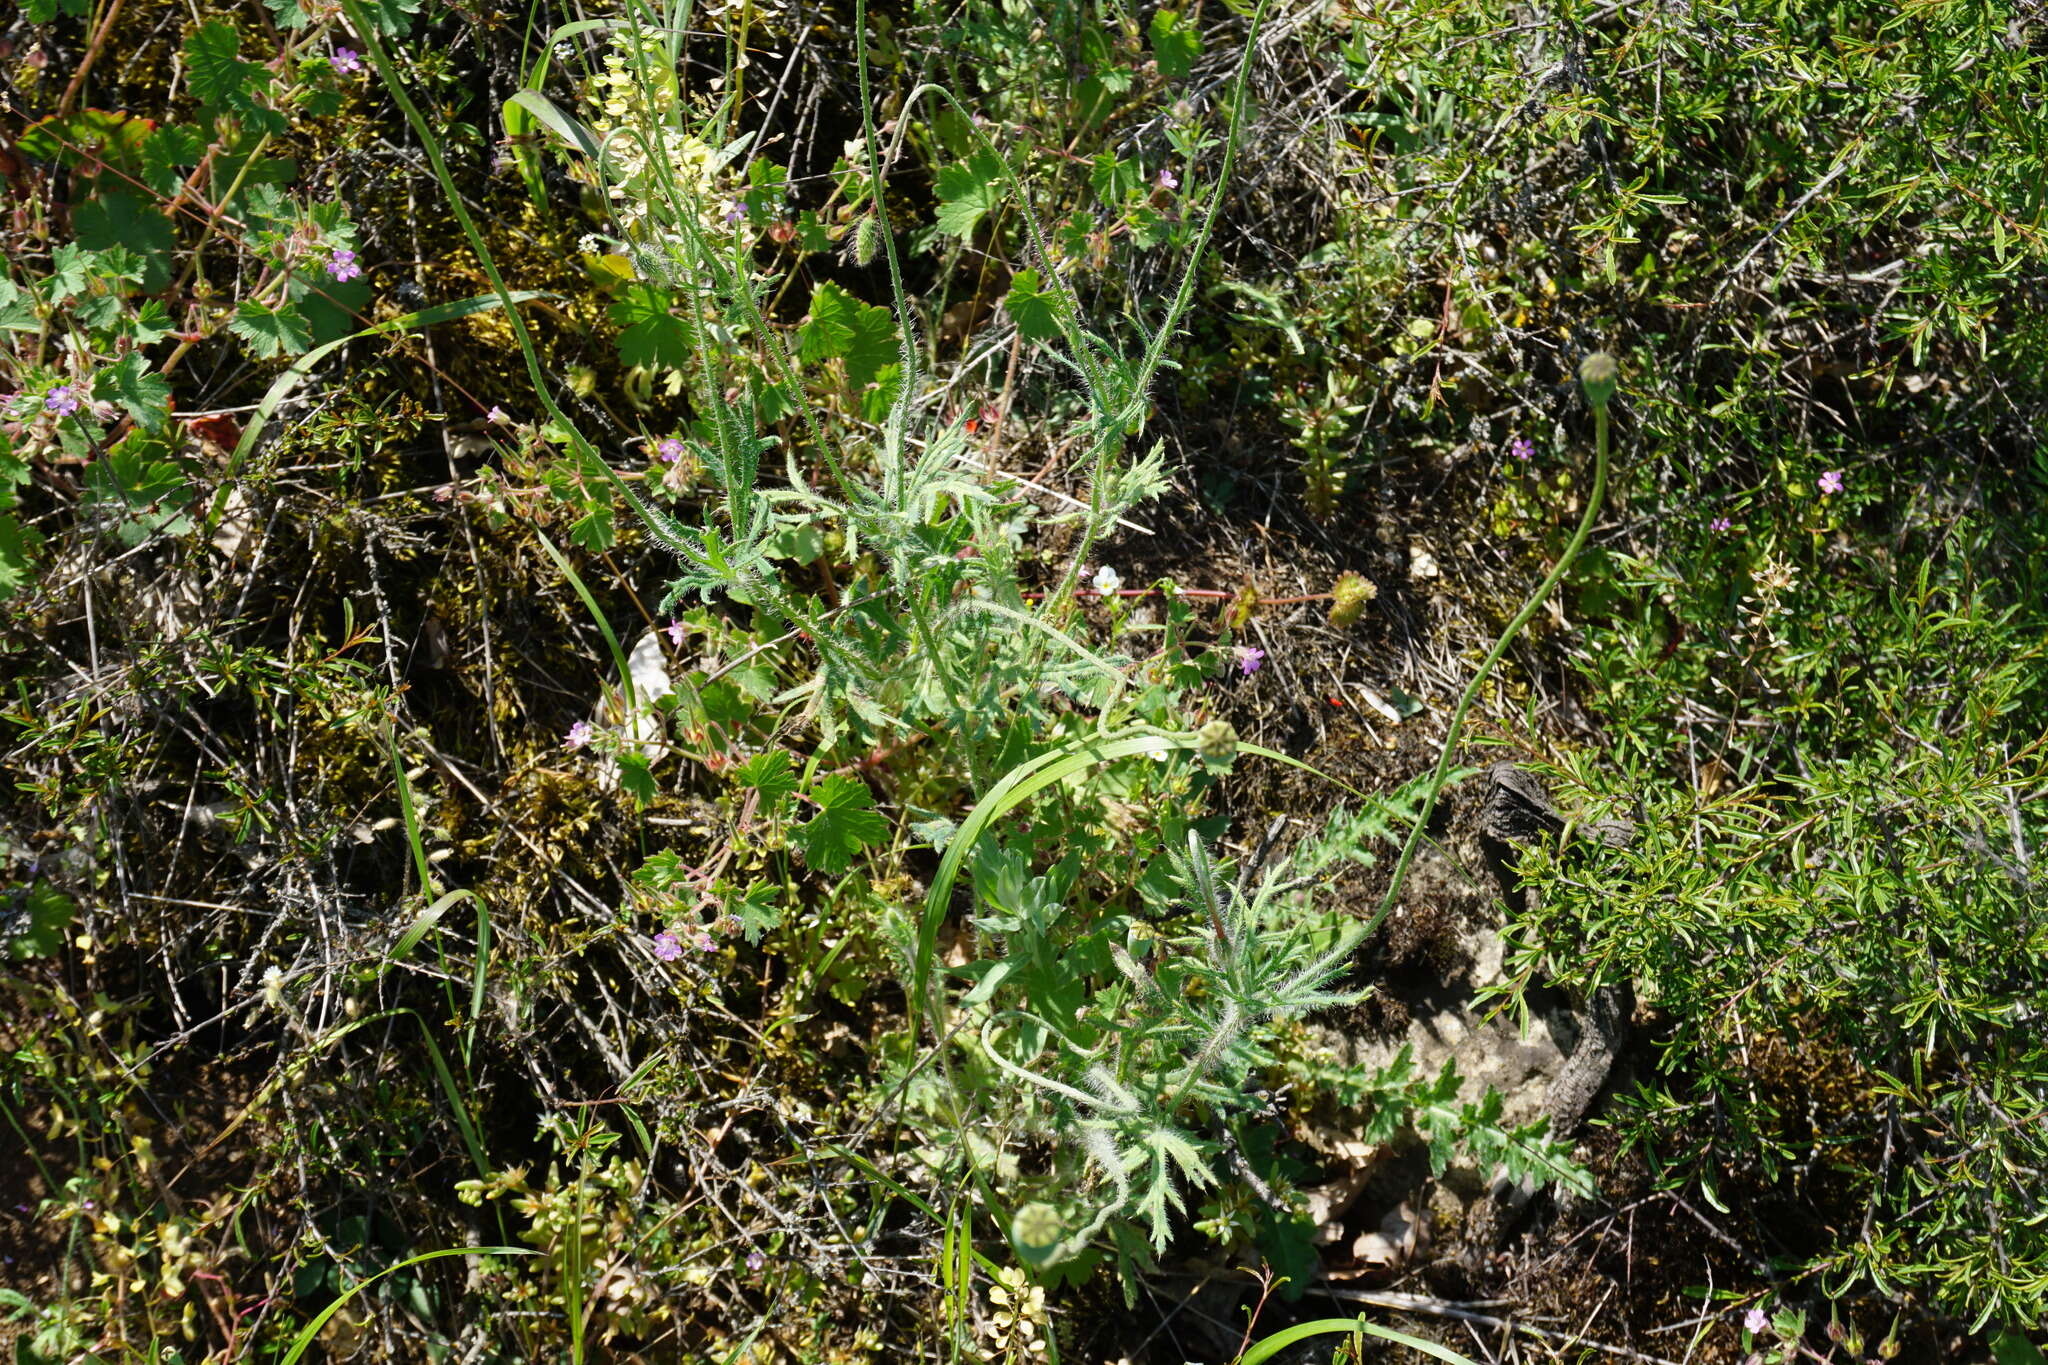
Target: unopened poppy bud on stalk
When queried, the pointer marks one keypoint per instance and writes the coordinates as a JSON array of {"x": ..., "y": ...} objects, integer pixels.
[
  {"x": 1216, "y": 742},
  {"x": 1036, "y": 1231},
  {"x": 1598, "y": 373}
]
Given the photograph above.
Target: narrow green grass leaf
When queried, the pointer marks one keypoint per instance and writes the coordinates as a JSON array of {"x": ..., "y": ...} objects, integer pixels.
[
  {"x": 312, "y": 1329},
  {"x": 604, "y": 626},
  {"x": 1280, "y": 1341},
  {"x": 281, "y": 387}
]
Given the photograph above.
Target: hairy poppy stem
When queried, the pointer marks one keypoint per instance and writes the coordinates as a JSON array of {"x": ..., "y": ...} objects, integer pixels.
[{"x": 1597, "y": 375}]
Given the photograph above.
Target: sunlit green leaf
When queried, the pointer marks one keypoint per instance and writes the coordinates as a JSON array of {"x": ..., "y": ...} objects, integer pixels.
[
  {"x": 845, "y": 824},
  {"x": 271, "y": 332}
]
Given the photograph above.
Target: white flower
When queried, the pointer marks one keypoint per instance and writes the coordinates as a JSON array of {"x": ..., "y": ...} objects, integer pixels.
[
  {"x": 273, "y": 987},
  {"x": 1107, "y": 580},
  {"x": 590, "y": 244}
]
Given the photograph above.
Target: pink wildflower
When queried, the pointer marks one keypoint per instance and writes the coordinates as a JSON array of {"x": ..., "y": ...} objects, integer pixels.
[
  {"x": 580, "y": 734},
  {"x": 62, "y": 400},
  {"x": 1249, "y": 659},
  {"x": 342, "y": 265},
  {"x": 1831, "y": 482},
  {"x": 347, "y": 60},
  {"x": 667, "y": 946}
]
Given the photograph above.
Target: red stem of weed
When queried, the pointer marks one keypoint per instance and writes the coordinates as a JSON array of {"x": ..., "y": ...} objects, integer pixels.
[{"x": 1211, "y": 594}]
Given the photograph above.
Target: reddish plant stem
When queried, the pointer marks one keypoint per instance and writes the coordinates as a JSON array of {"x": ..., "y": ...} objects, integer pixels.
[{"x": 1207, "y": 594}]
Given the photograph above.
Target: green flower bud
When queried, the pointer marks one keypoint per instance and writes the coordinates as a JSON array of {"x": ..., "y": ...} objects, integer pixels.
[
  {"x": 866, "y": 238},
  {"x": 1036, "y": 1231},
  {"x": 1598, "y": 373},
  {"x": 1348, "y": 595},
  {"x": 1216, "y": 742}
]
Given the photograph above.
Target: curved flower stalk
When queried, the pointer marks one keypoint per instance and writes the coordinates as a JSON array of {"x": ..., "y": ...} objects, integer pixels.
[{"x": 1598, "y": 375}]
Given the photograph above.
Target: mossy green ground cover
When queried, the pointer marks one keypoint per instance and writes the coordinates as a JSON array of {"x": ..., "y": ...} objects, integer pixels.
[{"x": 780, "y": 656}]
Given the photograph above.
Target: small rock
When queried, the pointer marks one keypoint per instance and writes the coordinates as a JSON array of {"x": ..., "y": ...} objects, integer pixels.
[{"x": 1399, "y": 1239}]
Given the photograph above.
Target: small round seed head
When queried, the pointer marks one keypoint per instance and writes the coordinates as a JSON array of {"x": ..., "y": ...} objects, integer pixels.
[{"x": 1348, "y": 596}]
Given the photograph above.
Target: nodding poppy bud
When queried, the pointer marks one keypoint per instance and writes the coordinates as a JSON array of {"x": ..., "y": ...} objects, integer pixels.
[
  {"x": 1216, "y": 742},
  {"x": 1348, "y": 595},
  {"x": 1036, "y": 1231},
  {"x": 1598, "y": 373}
]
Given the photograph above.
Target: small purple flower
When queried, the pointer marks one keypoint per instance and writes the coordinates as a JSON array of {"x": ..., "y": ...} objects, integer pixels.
[
  {"x": 347, "y": 60},
  {"x": 580, "y": 734},
  {"x": 675, "y": 632},
  {"x": 701, "y": 940},
  {"x": 1755, "y": 1321},
  {"x": 342, "y": 265},
  {"x": 755, "y": 1260},
  {"x": 1721, "y": 525},
  {"x": 1249, "y": 659},
  {"x": 1168, "y": 180},
  {"x": 1831, "y": 482},
  {"x": 62, "y": 400},
  {"x": 496, "y": 416},
  {"x": 1522, "y": 448},
  {"x": 733, "y": 211},
  {"x": 667, "y": 946},
  {"x": 668, "y": 450}
]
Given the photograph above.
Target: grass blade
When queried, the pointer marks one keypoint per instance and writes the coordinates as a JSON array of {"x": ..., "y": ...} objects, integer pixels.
[
  {"x": 312, "y": 1329},
  {"x": 281, "y": 387}
]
